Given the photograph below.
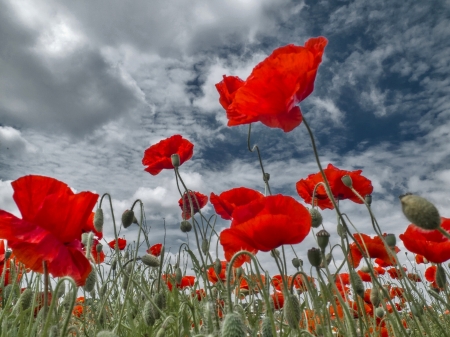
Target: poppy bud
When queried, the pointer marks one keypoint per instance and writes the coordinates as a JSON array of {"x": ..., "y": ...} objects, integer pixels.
[
  {"x": 341, "y": 230},
  {"x": 7, "y": 291},
  {"x": 390, "y": 240},
  {"x": 149, "y": 318},
  {"x": 185, "y": 226},
  {"x": 233, "y": 326},
  {"x": 160, "y": 300},
  {"x": 178, "y": 276},
  {"x": 99, "y": 247},
  {"x": 98, "y": 220},
  {"x": 105, "y": 333},
  {"x": 90, "y": 281},
  {"x": 175, "y": 160},
  {"x": 266, "y": 177},
  {"x": 114, "y": 264},
  {"x": 126, "y": 256},
  {"x": 205, "y": 246},
  {"x": 441, "y": 277},
  {"x": 365, "y": 269},
  {"x": 357, "y": 283},
  {"x": 127, "y": 218},
  {"x": 217, "y": 267},
  {"x": 316, "y": 217},
  {"x": 323, "y": 237},
  {"x": 87, "y": 239},
  {"x": 347, "y": 181},
  {"x": 239, "y": 272},
  {"x": 275, "y": 252},
  {"x": 266, "y": 327},
  {"x": 296, "y": 262},
  {"x": 315, "y": 257},
  {"x": 420, "y": 212},
  {"x": 368, "y": 199},
  {"x": 379, "y": 312},
  {"x": 375, "y": 297},
  {"x": 292, "y": 310},
  {"x": 416, "y": 309},
  {"x": 150, "y": 260}
]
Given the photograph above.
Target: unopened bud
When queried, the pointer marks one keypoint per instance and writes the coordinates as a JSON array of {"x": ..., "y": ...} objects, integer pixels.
[
  {"x": 185, "y": 226},
  {"x": 127, "y": 218},
  {"x": 375, "y": 297},
  {"x": 233, "y": 326},
  {"x": 149, "y": 317},
  {"x": 357, "y": 283},
  {"x": 390, "y": 240},
  {"x": 316, "y": 217},
  {"x": 379, "y": 312},
  {"x": 205, "y": 246},
  {"x": 292, "y": 310},
  {"x": 347, "y": 181},
  {"x": 98, "y": 220},
  {"x": 175, "y": 160},
  {"x": 314, "y": 257},
  {"x": 99, "y": 247},
  {"x": 441, "y": 277},
  {"x": 368, "y": 199},
  {"x": 90, "y": 281},
  {"x": 296, "y": 262},
  {"x": 150, "y": 260},
  {"x": 178, "y": 276},
  {"x": 341, "y": 230},
  {"x": 266, "y": 177},
  {"x": 420, "y": 212},
  {"x": 217, "y": 267},
  {"x": 323, "y": 237},
  {"x": 275, "y": 253}
]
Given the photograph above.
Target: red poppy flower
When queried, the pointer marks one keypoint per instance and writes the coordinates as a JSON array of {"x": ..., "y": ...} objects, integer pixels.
[
  {"x": 364, "y": 276},
  {"x": 50, "y": 230},
  {"x": 420, "y": 259},
  {"x": 278, "y": 300},
  {"x": 430, "y": 273},
  {"x": 200, "y": 294},
  {"x": 155, "y": 249},
  {"x": 121, "y": 243},
  {"x": 213, "y": 277},
  {"x": 375, "y": 249},
  {"x": 300, "y": 283},
  {"x": 254, "y": 287},
  {"x": 77, "y": 310},
  {"x": 264, "y": 224},
  {"x": 275, "y": 87},
  {"x": 158, "y": 156},
  {"x": 186, "y": 281},
  {"x": 305, "y": 187},
  {"x": 226, "y": 202},
  {"x": 380, "y": 270},
  {"x": 414, "y": 277},
  {"x": 198, "y": 202},
  {"x": 395, "y": 273},
  {"x": 431, "y": 244}
]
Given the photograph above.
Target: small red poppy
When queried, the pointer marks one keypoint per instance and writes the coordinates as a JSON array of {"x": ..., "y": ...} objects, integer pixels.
[
  {"x": 278, "y": 300},
  {"x": 226, "y": 202},
  {"x": 158, "y": 156},
  {"x": 375, "y": 249},
  {"x": 275, "y": 87},
  {"x": 198, "y": 202},
  {"x": 121, "y": 243},
  {"x": 264, "y": 224},
  {"x": 420, "y": 259},
  {"x": 77, "y": 310},
  {"x": 431, "y": 244},
  {"x": 186, "y": 281},
  {"x": 213, "y": 277},
  {"x": 53, "y": 218},
  {"x": 155, "y": 249},
  {"x": 305, "y": 187},
  {"x": 395, "y": 273},
  {"x": 430, "y": 273}
]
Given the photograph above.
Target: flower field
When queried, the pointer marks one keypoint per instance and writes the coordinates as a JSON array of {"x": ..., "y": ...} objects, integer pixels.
[{"x": 60, "y": 277}]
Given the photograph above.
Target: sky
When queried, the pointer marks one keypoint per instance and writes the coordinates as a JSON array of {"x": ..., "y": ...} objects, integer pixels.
[{"x": 86, "y": 87}]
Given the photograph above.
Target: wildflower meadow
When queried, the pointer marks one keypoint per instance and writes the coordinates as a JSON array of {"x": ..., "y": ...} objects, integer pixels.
[{"x": 60, "y": 277}]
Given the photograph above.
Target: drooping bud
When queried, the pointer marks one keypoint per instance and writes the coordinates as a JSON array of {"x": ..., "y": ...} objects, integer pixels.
[
  {"x": 390, "y": 240},
  {"x": 292, "y": 310},
  {"x": 368, "y": 199},
  {"x": 420, "y": 212},
  {"x": 178, "y": 275},
  {"x": 441, "y": 277},
  {"x": 98, "y": 220},
  {"x": 341, "y": 230},
  {"x": 379, "y": 312},
  {"x": 347, "y": 181},
  {"x": 323, "y": 237},
  {"x": 127, "y": 218},
  {"x": 205, "y": 246},
  {"x": 99, "y": 248},
  {"x": 375, "y": 297},
  {"x": 357, "y": 283},
  {"x": 90, "y": 281},
  {"x": 316, "y": 217},
  {"x": 185, "y": 226},
  {"x": 150, "y": 260},
  {"x": 296, "y": 262},
  {"x": 314, "y": 257},
  {"x": 175, "y": 160},
  {"x": 149, "y": 318},
  {"x": 217, "y": 267},
  {"x": 87, "y": 239},
  {"x": 114, "y": 264},
  {"x": 233, "y": 326}
]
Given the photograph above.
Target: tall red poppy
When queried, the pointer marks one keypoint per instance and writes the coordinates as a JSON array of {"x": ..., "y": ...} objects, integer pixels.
[
  {"x": 305, "y": 187},
  {"x": 226, "y": 202},
  {"x": 158, "y": 156},
  {"x": 264, "y": 224},
  {"x": 121, "y": 243},
  {"x": 198, "y": 199},
  {"x": 431, "y": 244},
  {"x": 375, "y": 249},
  {"x": 155, "y": 249},
  {"x": 50, "y": 230},
  {"x": 275, "y": 87}
]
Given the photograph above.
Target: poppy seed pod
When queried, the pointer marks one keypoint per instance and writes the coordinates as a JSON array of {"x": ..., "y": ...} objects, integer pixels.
[
  {"x": 8, "y": 254},
  {"x": 99, "y": 248},
  {"x": 150, "y": 260},
  {"x": 323, "y": 237},
  {"x": 390, "y": 240},
  {"x": 185, "y": 226},
  {"x": 368, "y": 199},
  {"x": 379, "y": 312},
  {"x": 441, "y": 277},
  {"x": 315, "y": 257},
  {"x": 266, "y": 177},
  {"x": 292, "y": 310},
  {"x": 347, "y": 181},
  {"x": 316, "y": 217},
  {"x": 175, "y": 158},
  {"x": 296, "y": 262},
  {"x": 233, "y": 326},
  {"x": 420, "y": 211},
  {"x": 98, "y": 220},
  {"x": 275, "y": 253},
  {"x": 127, "y": 218},
  {"x": 375, "y": 298}
]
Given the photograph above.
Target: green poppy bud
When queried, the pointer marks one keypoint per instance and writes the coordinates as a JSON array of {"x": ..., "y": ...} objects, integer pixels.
[
  {"x": 233, "y": 326},
  {"x": 368, "y": 199},
  {"x": 150, "y": 260},
  {"x": 347, "y": 181},
  {"x": 390, "y": 240},
  {"x": 127, "y": 218},
  {"x": 357, "y": 283},
  {"x": 98, "y": 220},
  {"x": 90, "y": 281},
  {"x": 292, "y": 310},
  {"x": 99, "y": 248},
  {"x": 175, "y": 160},
  {"x": 149, "y": 317},
  {"x": 314, "y": 257},
  {"x": 266, "y": 327},
  {"x": 296, "y": 262},
  {"x": 379, "y": 312},
  {"x": 185, "y": 226},
  {"x": 205, "y": 246},
  {"x": 441, "y": 277},
  {"x": 420, "y": 212},
  {"x": 375, "y": 298},
  {"x": 316, "y": 217},
  {"x": 178, "y": 276},
  {"x": 217, "y": 267}
]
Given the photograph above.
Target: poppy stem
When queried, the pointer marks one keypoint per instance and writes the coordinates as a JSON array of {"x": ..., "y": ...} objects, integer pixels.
[
  {"x": 45, "y": 267},
  {"x": 251, "y": 149},
  {"x": 444, "y": 232}
]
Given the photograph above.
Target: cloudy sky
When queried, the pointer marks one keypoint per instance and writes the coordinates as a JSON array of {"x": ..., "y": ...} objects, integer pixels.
[{"x": 87, "y": 86}]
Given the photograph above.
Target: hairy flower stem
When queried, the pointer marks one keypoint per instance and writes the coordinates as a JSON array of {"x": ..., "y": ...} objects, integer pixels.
[
  {"x": 251, "y": 149},
  {"x": 45, "y": 267}
]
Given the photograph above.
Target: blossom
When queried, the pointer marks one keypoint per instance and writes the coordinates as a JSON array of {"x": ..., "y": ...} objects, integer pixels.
[
  {"x": 305, "y": 187},
  {"x": 278, "y": 300},
  {"x": 121, "y": 243},
  {"x": 226, "y": 202},
  {"x": 155, "y": 249},
  {"x": 186, "y": 281},
  {"x": 254, "y": 287},
  {"x": 275, "y": 87},
  {"x": 373, "y": 248},
  {"x": 430, "y": 273},
  {"x": 264, "y": 224},
  {"x": 158, "y": 156},
  {"x": 434, "y": 246},
  {"x": 77, "y": 310},
  {"x": 198, "y": 202},
  {"x": 53, "y": 218},
  {"x": 213, "y": 277}
]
